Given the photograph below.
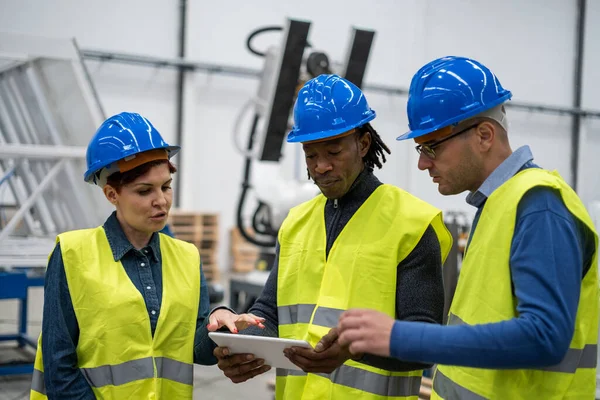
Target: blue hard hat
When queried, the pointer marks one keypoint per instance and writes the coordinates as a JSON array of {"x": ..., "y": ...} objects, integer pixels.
[
  {"x": 121, "y": 136},
  {"x": 327, "y": 106},
  {"x": 449, "y": 90}
]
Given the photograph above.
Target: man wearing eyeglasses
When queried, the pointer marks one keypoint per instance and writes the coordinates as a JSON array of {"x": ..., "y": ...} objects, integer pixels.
[{"x": 523, "y": 323}]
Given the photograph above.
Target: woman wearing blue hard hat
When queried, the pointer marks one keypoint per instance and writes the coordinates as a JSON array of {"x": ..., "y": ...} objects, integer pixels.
[
  {"x": 524, "y": 317},
  {"x": 126, "y": 308},
  {"x": 361, "y": 243}
]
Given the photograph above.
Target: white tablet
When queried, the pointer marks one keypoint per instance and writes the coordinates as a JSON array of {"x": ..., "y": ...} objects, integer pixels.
[{"x": 269, "y": 349}]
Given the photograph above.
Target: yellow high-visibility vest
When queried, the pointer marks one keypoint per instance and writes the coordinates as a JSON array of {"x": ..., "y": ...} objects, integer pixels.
[
  {"x": 360, "y": 272},
  {"x": 484, "y": 295},
  {"x": 116, "y": 351}
]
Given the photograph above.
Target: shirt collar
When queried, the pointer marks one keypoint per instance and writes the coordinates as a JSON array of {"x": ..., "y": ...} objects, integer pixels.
[
  {"x": 364, "y": 184},
  {"x": 500, "y": 175},
  {"x": 120, "y": 245}
]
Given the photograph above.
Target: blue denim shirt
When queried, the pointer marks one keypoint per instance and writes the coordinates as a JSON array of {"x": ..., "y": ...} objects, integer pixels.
[{"x": 60, "y": 328}]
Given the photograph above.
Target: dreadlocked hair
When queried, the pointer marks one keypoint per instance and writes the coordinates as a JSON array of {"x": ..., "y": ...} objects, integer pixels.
[{"x": 375, "y": 157}]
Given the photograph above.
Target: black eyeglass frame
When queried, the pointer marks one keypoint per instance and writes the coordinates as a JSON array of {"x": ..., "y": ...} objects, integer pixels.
[{"x": 429, "y": 148}]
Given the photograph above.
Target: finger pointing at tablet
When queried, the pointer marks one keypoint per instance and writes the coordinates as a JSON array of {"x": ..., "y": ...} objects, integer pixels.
[{"x": 223, "y": 317}]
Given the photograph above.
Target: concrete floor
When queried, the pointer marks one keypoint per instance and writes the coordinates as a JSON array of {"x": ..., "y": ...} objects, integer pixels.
[{"x": 209, "y": 382}]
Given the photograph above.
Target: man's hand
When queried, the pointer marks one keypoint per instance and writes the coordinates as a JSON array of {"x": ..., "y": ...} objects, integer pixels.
[
  {"x": 239, "y": 367},
  {"x": 234, "y": 322},
  {"x": 366, "y": 331},
  {"x": 327, "y": 356}
]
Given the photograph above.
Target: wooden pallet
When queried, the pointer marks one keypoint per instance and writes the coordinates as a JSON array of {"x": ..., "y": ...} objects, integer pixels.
[
  {"x": 194, "y": 227},
  {"x": 179, "y": 217},
  {"x": 202, "y": 230},
  {"x": 211, "y": 272},
  {"x": 243, "y": 253}
]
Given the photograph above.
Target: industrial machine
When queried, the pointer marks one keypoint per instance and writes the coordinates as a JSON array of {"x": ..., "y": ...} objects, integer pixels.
[{"x": 286, "y": 68}]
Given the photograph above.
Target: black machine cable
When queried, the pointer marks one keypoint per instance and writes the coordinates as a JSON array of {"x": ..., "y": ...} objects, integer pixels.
[
  {"x": 257, "y": 32},
  {"x": 262, "y": 220},
  {"x": 244, "y": 192}
]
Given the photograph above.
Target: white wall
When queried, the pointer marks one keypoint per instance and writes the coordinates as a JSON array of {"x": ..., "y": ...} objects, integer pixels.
[{"x": 529, "y": 45}]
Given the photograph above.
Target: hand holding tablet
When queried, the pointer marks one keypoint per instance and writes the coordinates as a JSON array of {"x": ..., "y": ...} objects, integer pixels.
[{"x": 269, "y": 349}]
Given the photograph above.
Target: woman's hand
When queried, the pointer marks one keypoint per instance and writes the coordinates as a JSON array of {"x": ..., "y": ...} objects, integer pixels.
[{"x": 223, "y": 317}]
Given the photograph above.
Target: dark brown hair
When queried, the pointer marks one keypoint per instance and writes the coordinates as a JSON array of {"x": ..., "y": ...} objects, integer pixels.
[{"x": 119, "y": 179}]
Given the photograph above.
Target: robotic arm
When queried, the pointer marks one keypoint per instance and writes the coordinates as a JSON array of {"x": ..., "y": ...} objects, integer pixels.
[{"x": 286, "y": 69}]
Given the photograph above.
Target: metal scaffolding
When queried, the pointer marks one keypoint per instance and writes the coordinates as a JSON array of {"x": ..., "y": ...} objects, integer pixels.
[{"x": 46, "y": 103}]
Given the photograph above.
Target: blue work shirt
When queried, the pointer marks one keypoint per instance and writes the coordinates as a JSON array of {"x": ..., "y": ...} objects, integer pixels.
[
  {"x": 62, "y": 376},
  {"x": 550, "y": 253}
]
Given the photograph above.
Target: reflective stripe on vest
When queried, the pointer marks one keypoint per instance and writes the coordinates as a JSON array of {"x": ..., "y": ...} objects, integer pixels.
[
  {"x": 447, "y": 389},
  {"x": 143, "y": 368},
  {"x": 126, "y": 372},
  {"x": 119, "y": 374},
  {"x": 174, "y": 370},
  {"x": 302, "y": 313},
  {"x": 575, "y": 358},
  {"x": 370, "y": 382},
  {"x": 297, "y": 313},
  {"x": 37, "y": 381}
]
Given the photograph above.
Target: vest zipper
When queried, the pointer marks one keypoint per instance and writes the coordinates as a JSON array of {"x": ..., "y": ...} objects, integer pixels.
[{"x": 336, "y": 216}]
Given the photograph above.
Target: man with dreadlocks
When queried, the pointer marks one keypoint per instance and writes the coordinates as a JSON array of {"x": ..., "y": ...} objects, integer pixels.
[{"x": 361, "y": 243}]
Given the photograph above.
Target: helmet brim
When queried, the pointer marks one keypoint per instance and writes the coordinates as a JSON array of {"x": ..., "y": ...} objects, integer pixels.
[
  {"x": 422, "y": 132},
  {"x": 89, "y": 174},
  {"x": 293, "y": 138}
]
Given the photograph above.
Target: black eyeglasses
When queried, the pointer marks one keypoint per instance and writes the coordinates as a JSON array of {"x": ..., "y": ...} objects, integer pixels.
[{"x": 428, "y": 148}]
